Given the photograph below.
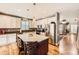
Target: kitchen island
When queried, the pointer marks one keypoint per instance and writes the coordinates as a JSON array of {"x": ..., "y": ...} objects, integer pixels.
[{"x": 34, "y": 44}]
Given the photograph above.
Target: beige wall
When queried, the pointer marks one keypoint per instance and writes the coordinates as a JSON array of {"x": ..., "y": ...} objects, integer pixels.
[{"x": 9, "y": 22}]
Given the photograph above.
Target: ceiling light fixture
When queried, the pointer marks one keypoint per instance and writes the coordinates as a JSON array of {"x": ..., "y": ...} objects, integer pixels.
[
  {"x": 27, "y": 9},
  {"x": 34, "y": 3}
]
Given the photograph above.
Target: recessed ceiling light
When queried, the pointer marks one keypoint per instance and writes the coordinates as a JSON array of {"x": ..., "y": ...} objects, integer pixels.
[
  {"x": 34, "y": 3},
  {"x": 27, "y": 9}
]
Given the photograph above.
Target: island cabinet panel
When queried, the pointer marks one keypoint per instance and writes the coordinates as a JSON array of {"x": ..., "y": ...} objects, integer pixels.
[
  {"x": 36, "y": 48},
  {"x": 34, "y": 44},
  {"x": 42, "y": 47},
  {"x": 31, "y": 48}
]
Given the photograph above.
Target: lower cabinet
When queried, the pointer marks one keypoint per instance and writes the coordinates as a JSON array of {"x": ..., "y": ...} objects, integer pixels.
[
  {"x": 8, "y": 44},
  {"x": 36, "y": 48},
  {"x": 42, "y": 48},
  {"x": 30, "y": 48}
]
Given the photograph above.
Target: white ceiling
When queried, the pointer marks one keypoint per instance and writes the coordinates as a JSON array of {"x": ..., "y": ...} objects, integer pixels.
[{"x": 40, "y": 9}]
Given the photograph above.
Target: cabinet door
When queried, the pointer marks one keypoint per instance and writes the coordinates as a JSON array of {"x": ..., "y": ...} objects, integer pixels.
[
  {"x": 2, "y": 40},
  {"x": 3, "y": 46},
  {"x": 11, "y": 38},
  {"x": 42, "y": 48}
]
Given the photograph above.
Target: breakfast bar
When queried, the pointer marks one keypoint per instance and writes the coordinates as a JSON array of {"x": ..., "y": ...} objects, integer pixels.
[{"x": 34, "y": 43}]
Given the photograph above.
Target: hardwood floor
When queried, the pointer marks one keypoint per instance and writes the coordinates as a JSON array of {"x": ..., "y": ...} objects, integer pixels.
[
  {"x": 52, "y": 50},
  {"x": 10, "y": 49},
  {"x": 67, "y": 45}
]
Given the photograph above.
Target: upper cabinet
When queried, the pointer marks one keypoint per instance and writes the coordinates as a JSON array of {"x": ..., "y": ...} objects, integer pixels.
[
  {"x": 9, "y": 22},
  {"x": 13, "y": 21}
]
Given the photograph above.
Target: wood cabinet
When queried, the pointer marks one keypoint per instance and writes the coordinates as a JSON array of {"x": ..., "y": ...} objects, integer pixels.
[
  {"x": 42, "y": 47},
  {"x": 30, "y": 48},
  {"x": 34, "y": 44},
  {"x": 9, "y": 22},
  {"x": 36, "y": 48}
]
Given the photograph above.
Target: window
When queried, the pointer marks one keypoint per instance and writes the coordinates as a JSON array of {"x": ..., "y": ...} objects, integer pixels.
[{"x": 24, "y": 24}]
